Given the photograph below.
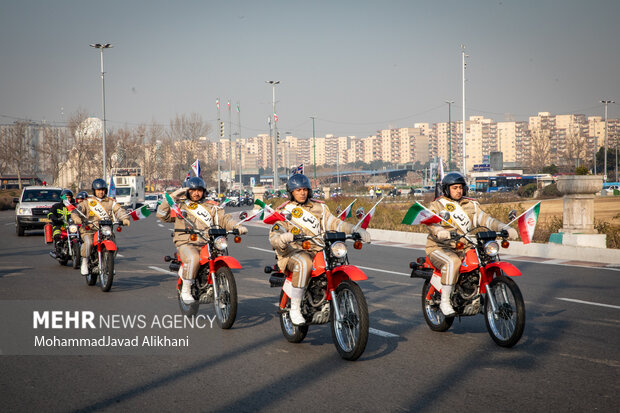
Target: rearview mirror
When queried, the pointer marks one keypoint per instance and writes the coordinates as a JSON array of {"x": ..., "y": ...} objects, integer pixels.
[
  {"x": 512, "y": 215},
  {"x": 359, "y": 213},
  {"x": 445, "y": 215},
  {"x": 287, "y": 215},
  {"x": 243, "y": 215}
]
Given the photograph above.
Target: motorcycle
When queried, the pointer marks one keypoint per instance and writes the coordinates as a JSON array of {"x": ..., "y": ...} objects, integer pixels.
[
  {"x": 68, "y": 246},
  {"x": 215, "y": 265},
  {"x": 332, "y": 295},
  {"x": 483, "y": 286},
  {"x": 101, "y": 262}
]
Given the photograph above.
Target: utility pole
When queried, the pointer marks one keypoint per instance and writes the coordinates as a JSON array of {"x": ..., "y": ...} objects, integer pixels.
[
  {"x": 219, "y": 172},
  {"x": 314, "y": 146},
  {"x": 230, "y": 146},
  {"x": 464, "y": 154},
  {"x": 449, "y": 102},
  {"x": 240, "y": 145},
  {"x": 606, "y": 102},
  {"x": 274, "y": 129}
]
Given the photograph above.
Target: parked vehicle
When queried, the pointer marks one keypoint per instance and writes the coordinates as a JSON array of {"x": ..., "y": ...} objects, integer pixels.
[
  {"x": 215, "y": 282},
  {"x": 129, "y": 187},
  {"x": 483, "y": 287},
  {"x": 332, "y": 296},
  {"x": 152, "y": 201},
  {"x": 33, "y": 206}
]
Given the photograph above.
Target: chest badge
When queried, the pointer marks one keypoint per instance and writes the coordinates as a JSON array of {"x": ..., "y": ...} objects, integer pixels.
[
  {"x": 92, "y": 203},
  {"x": 192, "y": 206},
  {"x": 297, "y": 212}
]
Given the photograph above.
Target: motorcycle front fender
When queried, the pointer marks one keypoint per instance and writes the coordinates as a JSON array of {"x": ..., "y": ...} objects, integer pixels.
[
  {"x": 228, "y": 261},
  {"x": 109, "y": 245},
  {"x": 506, "y": 267},
  {"x": 347, "y": 272}
]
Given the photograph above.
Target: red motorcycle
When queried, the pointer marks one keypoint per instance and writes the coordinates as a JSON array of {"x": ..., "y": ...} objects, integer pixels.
[
  {"x": 101, "y": 262},
  {"x": 483, "y": 286},
  {"x": 332, "y": 295},
  {"x": 215, "y": 264}
]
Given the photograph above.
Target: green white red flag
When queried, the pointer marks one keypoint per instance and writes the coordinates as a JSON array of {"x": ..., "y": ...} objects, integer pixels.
[
  {"x": 366, "y": 219},
  {"x": 269, "y": 215},
  {"x": 173, "y": 205},
  {"x": 418, "y": 214},
  {"x": 140, "y": 213},
  {"x": 65, "y": 202},
  {"x": 527, "y": 223},
  {"x": 347, "y": 211}
]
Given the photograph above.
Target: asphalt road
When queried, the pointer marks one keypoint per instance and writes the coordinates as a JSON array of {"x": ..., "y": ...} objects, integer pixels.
[{"x": 567, "y": 360}]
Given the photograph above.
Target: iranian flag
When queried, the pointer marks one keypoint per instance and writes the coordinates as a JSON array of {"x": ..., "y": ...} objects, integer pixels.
[
  {"x": 226, "y": 200},
  {"x": 65, "y": 202},
  {"x": 140, "y": 213},
  {"x": 175, "y": 208},
  {"x": 347, "y": 211},
  {"x": 269, "y": 215},
  {"x": 366, "y": 220},
  {"x": 527, "y": 223},
  {"x": 418, "y": 214}
]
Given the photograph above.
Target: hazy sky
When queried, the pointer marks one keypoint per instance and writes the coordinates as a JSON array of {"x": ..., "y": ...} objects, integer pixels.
[{"x": 358, "y": 66}]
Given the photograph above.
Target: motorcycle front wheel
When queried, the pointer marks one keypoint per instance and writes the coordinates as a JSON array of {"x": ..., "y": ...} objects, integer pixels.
[
  {"x": 351, "y": 334},
  {"x": 226, "y": 303},
  {"x": 106, "y": 276},
  {"x": 292, "y": 333},
  {"x": 75, "y": 256},
  {"x": 432, "y": 314},
  {"x": 507, "y": 324},
  {"x": 91, "y": 279}
]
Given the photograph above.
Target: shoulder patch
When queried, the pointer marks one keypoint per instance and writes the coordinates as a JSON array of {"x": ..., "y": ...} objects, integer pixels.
[
  {"x": 318, "y": 201},
  {"x": 276, "y": 227}
]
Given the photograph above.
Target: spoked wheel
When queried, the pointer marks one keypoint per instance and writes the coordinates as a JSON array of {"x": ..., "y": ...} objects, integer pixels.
[
  {"x": 75, "y": 255},
  {"x": 292, "y": 333},
  {"x": 226, "y": 303},
  {"x": 351, "y": 334},
  {"x": 91, "y": 279},
  {"x": 506, "y": 324},
  {"x": 432, "y": 314},
  {"x": 106, "y": 275}
]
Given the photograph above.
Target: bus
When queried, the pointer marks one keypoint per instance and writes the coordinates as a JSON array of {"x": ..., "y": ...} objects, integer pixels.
[{"x": 510, "y": 182}]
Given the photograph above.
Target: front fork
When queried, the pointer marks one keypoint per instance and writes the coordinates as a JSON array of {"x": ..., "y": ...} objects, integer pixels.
[
  {"x": 336, "y": 307},
  {"x": 491, "y": 298},
  {"x": 216, "y": 293}
]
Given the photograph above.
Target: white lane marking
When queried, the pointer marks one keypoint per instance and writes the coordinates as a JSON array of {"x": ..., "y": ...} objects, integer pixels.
[
  {"x": 161, "y": 225},
  {"x": 170, "y": 229},
  {"x": 588, "y": 302},
  {"x": 162, "y": 270},
  {"x": 120, "y": 255},
  {"x": 10, "y": 223},
  {"x": 260, "y": 249},
  {"x": 381, "y": 333},
  {"x": 380, "y": 270}
]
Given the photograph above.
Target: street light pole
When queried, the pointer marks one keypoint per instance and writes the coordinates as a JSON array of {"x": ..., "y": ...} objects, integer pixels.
[
  {"x": 102, "y": 46},
  {"x": 449, "y": 102},
  {"x": 463, "y": 58},
  {"x": 273, "y": 84},
  {"x": 314, "y": 146},
  {"x": 605, "y": 102}
]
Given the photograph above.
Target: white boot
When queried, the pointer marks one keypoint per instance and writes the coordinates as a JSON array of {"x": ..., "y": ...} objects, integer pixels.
[
  {"x": 186, "y": 292},
  {"x": 445, "y": 306},
  {"x": 296, "y": 295},
  {"x": 84, "y": 269}
]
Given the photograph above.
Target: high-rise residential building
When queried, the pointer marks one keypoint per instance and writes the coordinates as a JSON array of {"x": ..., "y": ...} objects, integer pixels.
[{"x": 512, "y": 137}]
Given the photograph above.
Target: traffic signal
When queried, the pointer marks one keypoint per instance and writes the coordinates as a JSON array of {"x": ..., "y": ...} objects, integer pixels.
[
  {"x": 278, "y": 137},
  {"x": 221, "y": 129}
]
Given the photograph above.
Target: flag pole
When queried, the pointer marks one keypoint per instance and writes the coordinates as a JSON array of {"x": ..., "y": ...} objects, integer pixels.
[
  {"x": 524, "y": 212},
  {"x": 355, "y": 228}
]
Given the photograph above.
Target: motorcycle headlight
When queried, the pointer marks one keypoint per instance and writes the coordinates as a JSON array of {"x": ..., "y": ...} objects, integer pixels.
[
  {"x": 24, "y": 211},
  {"x": 339, "y": 250},
  {"x": 73, "y": 228},
  {"x": 106, "y": 230},
  {"x": 491, "y": 248},
  {"x": 221, "y": 243}
]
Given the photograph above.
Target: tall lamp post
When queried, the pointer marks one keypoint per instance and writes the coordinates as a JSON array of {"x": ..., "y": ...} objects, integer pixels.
[
  {"x": 464, "y": 66},
  {"x": 102, "y": 46},
  {"x": 274, "y": 128},
  {"x": 449, "y": 102},
  {"x": 314, "y": 147},
  {"x": 605, "y": 102}
]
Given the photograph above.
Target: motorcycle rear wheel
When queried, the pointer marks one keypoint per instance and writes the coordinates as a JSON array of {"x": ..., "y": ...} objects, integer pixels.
[
  {"x": 292, "y": 333},
  {"x": 432, "y": 314},
  {"x": 351, "y": 334},
  {"x": 226, "y": 304},
  {"x": 106, "y": 277},
  {"x": 507, "y": 325}
]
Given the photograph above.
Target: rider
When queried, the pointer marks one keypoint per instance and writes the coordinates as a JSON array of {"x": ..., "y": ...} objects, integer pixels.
[
  {"x": 202, "y": 214},
  {"x": 312, "y": 217},
  {"x": 465, "y": 214},
  {"x": 80, "y": 197},
  {"x": 59, "y": 215},
  {"x": 95, "y": 208}
]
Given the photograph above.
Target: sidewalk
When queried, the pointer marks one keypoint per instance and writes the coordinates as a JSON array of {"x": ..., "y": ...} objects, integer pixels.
[{"x": 597, "y": 257}]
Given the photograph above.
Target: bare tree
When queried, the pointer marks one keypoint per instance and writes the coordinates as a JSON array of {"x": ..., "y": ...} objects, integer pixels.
[
  {"x": 54, "y": 146},
  {"x": 84, "y": 149},
  {"x": 540, "y": 145},
  {"x": 576, "y": 146},
  {"x": 184, "y": 134},
  {"x": 19, "y": 153},
  {"x": 153, "y": 154}
]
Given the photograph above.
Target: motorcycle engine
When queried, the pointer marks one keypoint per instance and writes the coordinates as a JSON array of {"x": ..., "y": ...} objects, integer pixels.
[{"x": 467, "y": 286}]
